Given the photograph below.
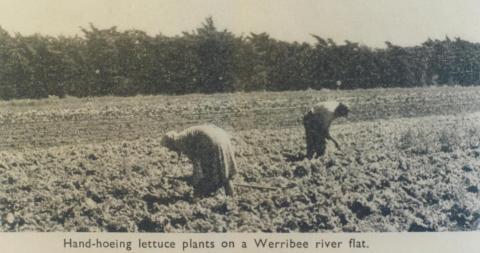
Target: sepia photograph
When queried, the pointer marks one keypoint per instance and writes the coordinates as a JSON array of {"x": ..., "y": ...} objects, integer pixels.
[{"x": 216, "y": 116}]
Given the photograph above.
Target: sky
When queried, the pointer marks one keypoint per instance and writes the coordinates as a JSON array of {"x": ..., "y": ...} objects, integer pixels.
[{"x": 370, "y": 22}]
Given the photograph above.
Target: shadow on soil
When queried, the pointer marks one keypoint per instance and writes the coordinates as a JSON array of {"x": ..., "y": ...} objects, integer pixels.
[{"x": 294, "y": 158}]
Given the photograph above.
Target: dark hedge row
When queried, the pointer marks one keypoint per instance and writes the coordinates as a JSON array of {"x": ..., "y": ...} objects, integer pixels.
[{"x": 110, "y": 62}]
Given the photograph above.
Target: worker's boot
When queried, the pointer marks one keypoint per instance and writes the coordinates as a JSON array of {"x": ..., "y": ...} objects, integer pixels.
[{"x": 229, "y": 189}]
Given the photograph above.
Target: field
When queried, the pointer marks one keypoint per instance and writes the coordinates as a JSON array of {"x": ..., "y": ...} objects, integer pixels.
[{"x": 410, "y": 161}]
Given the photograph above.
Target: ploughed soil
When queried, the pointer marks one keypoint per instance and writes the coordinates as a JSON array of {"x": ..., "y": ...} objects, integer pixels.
[{"x": 410, "y": 161}]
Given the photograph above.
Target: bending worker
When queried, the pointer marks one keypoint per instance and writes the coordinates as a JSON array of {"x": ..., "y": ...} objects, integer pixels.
[
  {"x": 209, "y": 149},
  {"x": 317, "y": 121}
]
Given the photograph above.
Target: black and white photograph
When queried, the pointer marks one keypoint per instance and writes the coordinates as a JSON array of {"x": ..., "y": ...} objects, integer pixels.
[{"x": 216, "y": 116}]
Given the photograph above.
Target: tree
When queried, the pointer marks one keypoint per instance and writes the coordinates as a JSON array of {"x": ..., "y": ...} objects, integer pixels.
[
  {"x": 102, "y": 59},
  {"x": 215, "y": 51}
]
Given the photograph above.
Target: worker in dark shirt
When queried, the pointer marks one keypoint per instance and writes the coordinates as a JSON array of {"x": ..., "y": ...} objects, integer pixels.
[{"x": 317, "y": 121}]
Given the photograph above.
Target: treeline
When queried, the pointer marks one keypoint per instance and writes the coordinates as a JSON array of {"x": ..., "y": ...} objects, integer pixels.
[{"x": 111, "y": 62}]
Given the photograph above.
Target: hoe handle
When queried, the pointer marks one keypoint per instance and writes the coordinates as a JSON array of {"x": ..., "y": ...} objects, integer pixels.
[
  {"x": 256, "y": 186},
  {"x": 186, "y": 178}
]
